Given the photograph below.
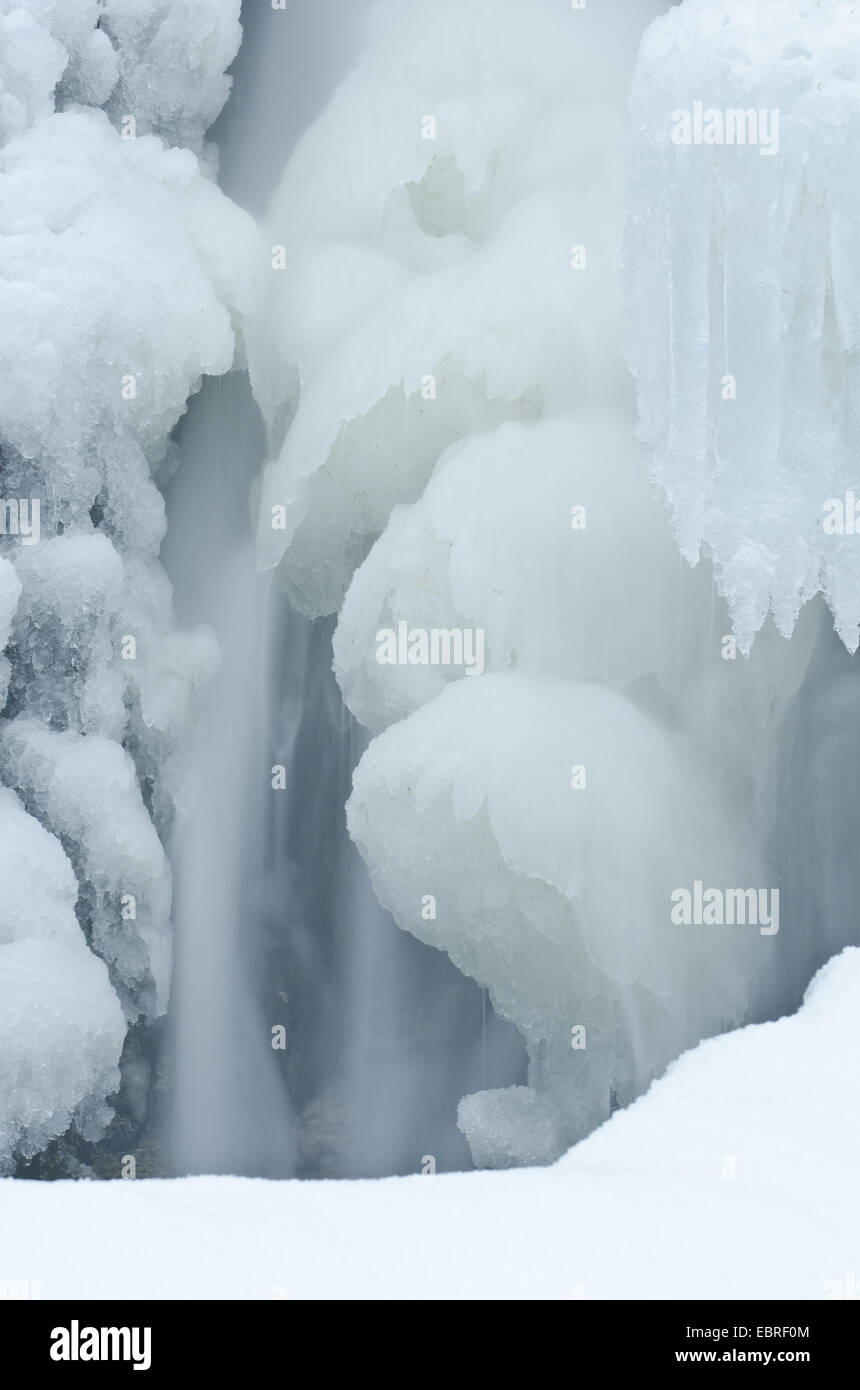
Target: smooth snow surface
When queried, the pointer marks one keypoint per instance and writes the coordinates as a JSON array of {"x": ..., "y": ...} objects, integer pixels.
[{"x": 735, "y": 1177}]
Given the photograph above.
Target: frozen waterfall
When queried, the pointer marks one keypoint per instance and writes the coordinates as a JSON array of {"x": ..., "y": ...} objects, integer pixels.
[{"x": 428, "y": 587}]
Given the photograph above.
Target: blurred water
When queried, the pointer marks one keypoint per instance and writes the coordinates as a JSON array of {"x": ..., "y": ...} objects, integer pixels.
[{"x": 275, "y": 921}]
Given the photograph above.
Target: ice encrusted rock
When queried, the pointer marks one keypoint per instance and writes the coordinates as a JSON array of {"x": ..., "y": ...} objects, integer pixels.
[
  {"x": 119, "y": 260},
  {"x": 31, "y": 64},
  {"x": 125, "y": 276},
  {"x": 172, "y": 56},
  {"x": 10, "y": 591},
  {"x": 510, "y": 1127},
  {"x": 84, "y": 789},
  {"x": 435, "y": 294},
  {"x": 161, "y": 62},
  {"x": 558, "y": 900},
  {"x": 65, "y": 670},
  {"x": 61, "y": 1025},
  {"x": 741, "y": 262}
]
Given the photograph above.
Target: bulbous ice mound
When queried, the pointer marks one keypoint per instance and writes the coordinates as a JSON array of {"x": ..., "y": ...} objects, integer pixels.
[
  {"x": 61, "y": 1025},
  {"x": 160, "y": 61},
  {"x": 45, "y": 43},
  {"x": 124, "y": 273},
  {"x": 466, "y": 278},
  {"x": 743, "y": 214},
  {"x": 171, "y": 60},
  {"x": 85, "y": 790},
  {"x": 557, "y": 896},
  {"x": 537, "y": 536}
]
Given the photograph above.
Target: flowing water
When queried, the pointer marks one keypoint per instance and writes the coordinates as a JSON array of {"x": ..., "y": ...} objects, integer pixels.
[{"x": 276, "y": 927}]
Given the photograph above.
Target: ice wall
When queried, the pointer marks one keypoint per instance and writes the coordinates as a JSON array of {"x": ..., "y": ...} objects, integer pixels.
[{"x": 124, "y": 277}]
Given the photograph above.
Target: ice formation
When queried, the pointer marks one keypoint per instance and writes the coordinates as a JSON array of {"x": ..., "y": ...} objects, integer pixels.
[
  {"x": 434, "y": 295},
  {"x": 124, "y": 277},
  {"x": 61, "y": 1025},
  {"x": 453, "y": 451},
  {"x": 741, "y": 229},
  {"x": 557, "y": 899},
  {"x": 442, "y": 352},
  {"x": 538, "y": 613}
]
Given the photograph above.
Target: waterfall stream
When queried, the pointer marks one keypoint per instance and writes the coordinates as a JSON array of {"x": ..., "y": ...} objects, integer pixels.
[{"x": 276, "y": 926}]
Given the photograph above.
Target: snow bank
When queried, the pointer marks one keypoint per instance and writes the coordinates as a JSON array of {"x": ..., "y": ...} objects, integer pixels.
[
  {"x": 743, "y": 295},
  {"x": 711, "y": 1185}
]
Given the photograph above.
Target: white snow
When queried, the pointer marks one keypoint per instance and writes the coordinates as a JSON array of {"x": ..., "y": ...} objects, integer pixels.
[{"x": 735, "y": 1177}]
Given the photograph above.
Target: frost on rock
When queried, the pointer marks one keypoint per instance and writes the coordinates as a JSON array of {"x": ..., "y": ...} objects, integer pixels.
[
  {"x": 558, "y": 901},
  {"x": 125, "y": 276},
  {"x": 61, "y": 1025},
  {"x": 445, "y": 290},
  {"x": 743, "y": 213}
]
